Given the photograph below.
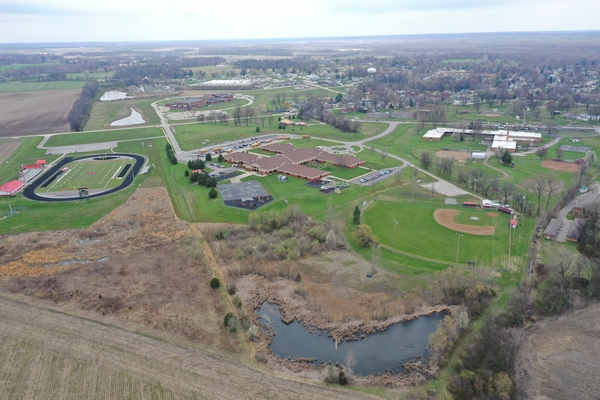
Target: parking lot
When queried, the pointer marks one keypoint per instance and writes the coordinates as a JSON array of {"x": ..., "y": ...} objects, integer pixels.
[{"x": 375, "y": 176}]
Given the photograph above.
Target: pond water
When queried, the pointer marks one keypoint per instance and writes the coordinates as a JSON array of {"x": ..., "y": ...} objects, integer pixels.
[
  {"x": 376, "y": 354},
  {"x": 134, "y": 119},
  {"x": 112, "y": 95}
]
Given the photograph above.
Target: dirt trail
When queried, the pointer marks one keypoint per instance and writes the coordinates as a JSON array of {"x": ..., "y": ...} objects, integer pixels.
[{"x": 86, "y": 359}]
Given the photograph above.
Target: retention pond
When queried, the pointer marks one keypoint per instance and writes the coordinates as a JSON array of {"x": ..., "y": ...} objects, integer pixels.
[{"x": 376, "y": 353}]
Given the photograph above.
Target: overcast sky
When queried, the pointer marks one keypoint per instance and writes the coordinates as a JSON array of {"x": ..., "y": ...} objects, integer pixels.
[{"x": 149, "y": 20}]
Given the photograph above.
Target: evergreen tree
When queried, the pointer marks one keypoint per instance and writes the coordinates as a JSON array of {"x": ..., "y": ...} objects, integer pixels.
[
  {"x": 506, "y": 158},
  {"x": 356, "y": 218}
]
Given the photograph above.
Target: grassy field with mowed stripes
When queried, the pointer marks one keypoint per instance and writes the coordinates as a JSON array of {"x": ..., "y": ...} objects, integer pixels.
[{"x": 91, "y": 174}]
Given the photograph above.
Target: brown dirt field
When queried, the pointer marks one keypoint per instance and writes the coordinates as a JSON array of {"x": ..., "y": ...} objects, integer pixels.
[
  {"x": 7, "y": 148},
  {"x": 34, "y": 113},
  {"x": 457, "y": 155},
  {"x": 493, "y": 214},
  {"x": 50, "y": 354},
  {"x": 138, "y": 264},
  {"x": 559, "y": 357},
  {"x": 560, "y": 166},
  {"x": 445, "y": 217}
]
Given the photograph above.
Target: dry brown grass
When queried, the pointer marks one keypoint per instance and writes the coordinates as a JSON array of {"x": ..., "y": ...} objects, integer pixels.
[
  {"x": 561, "y": 166},
  {"x": 138, "y": 264},
  {"x": 457, "y": 155}
]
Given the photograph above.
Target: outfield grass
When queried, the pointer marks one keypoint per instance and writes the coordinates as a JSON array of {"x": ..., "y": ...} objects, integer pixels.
[
  {"x": 418, "y": 233},
  {"x": 8, "y": 87},
  {"x": 105, "y": 112},
  {"x": 73, "y": 139}
]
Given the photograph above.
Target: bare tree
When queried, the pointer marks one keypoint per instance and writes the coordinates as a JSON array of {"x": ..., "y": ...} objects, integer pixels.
[
  {"x": 541, "y": 151},
  {"x": 383, "y": 153},
  {"x": 237, "y": 116},
  {"x": 350, "y": 361},
  {"x": 425, "y": 159},
  {"x": 552, "y": 185},
  {"x": 249, "y": 113},
  {"x": 538, "y": 186}
]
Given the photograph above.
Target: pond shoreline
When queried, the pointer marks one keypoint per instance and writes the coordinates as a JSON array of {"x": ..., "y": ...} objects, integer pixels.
[{"x": 278, "y": 292}]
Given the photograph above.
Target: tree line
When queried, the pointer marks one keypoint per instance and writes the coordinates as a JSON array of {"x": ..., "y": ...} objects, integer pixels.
[{"x": 80, "y": 110}]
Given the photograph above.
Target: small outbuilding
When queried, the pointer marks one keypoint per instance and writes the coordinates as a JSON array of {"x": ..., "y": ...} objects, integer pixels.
[{"x": 11, "y": 188}]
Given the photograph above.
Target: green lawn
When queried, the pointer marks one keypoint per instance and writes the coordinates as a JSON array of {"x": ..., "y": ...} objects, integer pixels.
[
  {"x": 27, "y": 153},
  {"x": 201, "y": 135},
  {"x": 90, "y": 174},
  {"x": 418, "y": 233},
  {"x": 41, "y": 216},
  {"x": 105, "y": 136},
  {"x": 218, "y": 106},
  {"x": 105, "y": 112},
  {"x": 4, "y": 68},
  {"x": 8, "y": 87}
]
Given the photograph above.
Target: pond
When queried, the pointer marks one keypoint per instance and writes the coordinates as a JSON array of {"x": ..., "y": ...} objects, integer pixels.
[
  {"x": 377, "y": 353},
  {"x": 134, "y": 119},
  {"x": 112, "y": 95}
]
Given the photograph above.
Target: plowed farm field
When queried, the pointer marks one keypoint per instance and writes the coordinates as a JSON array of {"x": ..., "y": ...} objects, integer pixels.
[
  {"x": 34, "y": 113},
  {"x": 45, "y": 354}
]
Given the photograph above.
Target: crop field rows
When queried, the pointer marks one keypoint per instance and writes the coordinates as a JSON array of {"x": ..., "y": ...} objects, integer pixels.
[
  {"x": 89, "y": 174},
  {"x": 47, "y": 354}
]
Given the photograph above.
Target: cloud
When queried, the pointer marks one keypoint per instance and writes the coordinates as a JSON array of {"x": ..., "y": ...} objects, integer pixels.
[{"x": 26, "y": 9}]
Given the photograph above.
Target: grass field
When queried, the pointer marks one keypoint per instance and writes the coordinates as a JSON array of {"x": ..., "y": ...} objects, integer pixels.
[
  {"x": 91, "y": 174},
  {"x": 105, "y": 112},
  {"x": 418, "y": 233},
  {"x": 35, "y": 216},
  {"x": 73, "y": 139},
  {"x": 8, "y": 87},
  {"x": 194, "y": 136}
]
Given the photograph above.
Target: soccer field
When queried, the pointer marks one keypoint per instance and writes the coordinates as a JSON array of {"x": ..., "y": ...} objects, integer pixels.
[{"x": 91, "y": 174}]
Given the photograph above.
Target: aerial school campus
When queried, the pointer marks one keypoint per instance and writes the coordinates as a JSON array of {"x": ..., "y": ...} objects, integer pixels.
[{"x": 349, "y": 225}]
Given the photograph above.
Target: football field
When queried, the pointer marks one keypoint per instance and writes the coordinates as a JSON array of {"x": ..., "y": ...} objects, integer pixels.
[{"x": 88, "y": 173}]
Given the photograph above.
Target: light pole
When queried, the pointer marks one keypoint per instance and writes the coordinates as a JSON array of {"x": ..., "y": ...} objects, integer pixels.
[
  {"x": 395, "y": 223},
  {"x": 509, "y": 237},
  {"x": 10, "y": 211},
  {"x": 457, "y": 246}
]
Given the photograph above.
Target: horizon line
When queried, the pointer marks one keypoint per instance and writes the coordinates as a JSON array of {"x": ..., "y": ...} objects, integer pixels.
[{"x": 353, "y": 37}]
